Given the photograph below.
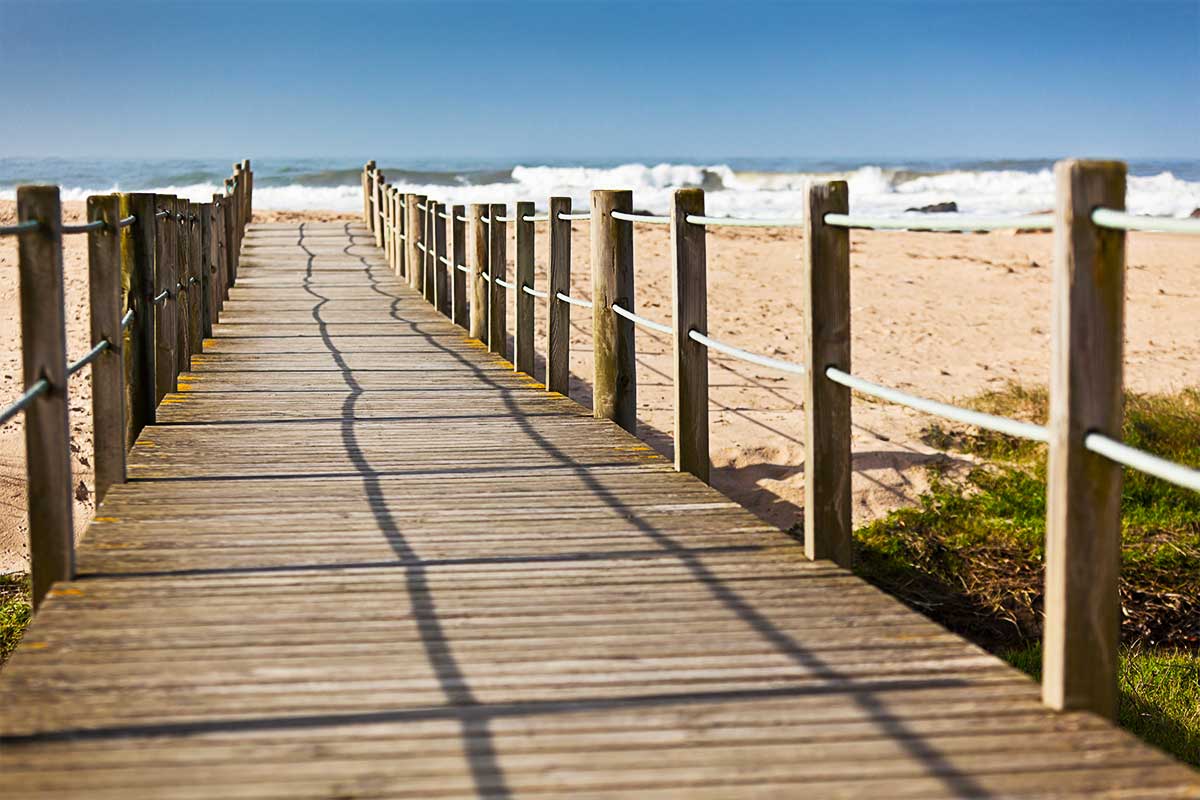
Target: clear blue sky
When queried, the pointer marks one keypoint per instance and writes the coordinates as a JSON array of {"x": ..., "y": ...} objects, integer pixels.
[{"x": 576, "y": 79}]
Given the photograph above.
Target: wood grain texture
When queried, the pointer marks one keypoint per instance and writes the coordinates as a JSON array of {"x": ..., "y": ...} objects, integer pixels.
[
  {"x": 614, "y": 372},
  {"x": 108, "y": 370},
  {"x": 180, "y": 290},
  {"x": 441, "y": 270},
  {"x": 165, "y": 315},
  {"x": 137, "y": 259},
  {"x": 689, "y": 311},
  {"x": 459, "y": 300},
  {"x": 1083, "y": 489},
  {"x": 414, "y": 233},
  {"x": 497, "y": 338},
  {"x": 480, "y": 305},
  {"x": 558, "y": 322},
  {"x": 195, "y": 296},
  {"x": 525, "y": 304},
  {"x": 324, "y": 580},
  {"x": 44, "y": 355},
  {"x": 826, "y": 292},
  {"x": 208, "y": 308}
]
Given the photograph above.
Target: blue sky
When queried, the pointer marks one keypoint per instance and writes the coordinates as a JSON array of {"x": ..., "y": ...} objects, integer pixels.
[{"x": 580, "y": 79}]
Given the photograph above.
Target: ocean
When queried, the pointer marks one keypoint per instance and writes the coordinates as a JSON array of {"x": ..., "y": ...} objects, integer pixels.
[{"x": 758, "y": 186}]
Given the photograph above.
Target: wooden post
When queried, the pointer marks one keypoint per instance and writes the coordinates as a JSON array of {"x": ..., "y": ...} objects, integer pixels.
[
  {"x": 498, "y": 269},
  {"x": 395, "y": 209},
  {"x": 137, "y": 264},
  {"x": 458, "y": 278},
  {"x": 182, "y": 306},
  {"x": 195, "y": 281},
  {"x": 429, "y": 255},
  {"x": 479, "y": 266},
  {"x": 366, "y": 187},
  {"x": 249, "y": 172},
  {"x": 412, "y": 227},
  {"x": 389, "y": 227},
  {"x": 380, "y": 211},
  {"x": 441, "y": 283},
  {"x": 164, "y": 312},
  {"x": 401, "y": 236},
  {"x": 218, "y": 255},
  {"x": 1083, "y": 489},
  {"x": 558, "y": 321},
  {"x": 44, "y": 355},
  {"x": 523, "y": 339},
  {"x": 230, "y": 238},
  {"x": 108, "y": 370},
  {"x": 826, "y": 288},
  {"x": 689, "y": 305},
  {"x": 615, "y": 368},
  {"x": 207, "y": 306}
]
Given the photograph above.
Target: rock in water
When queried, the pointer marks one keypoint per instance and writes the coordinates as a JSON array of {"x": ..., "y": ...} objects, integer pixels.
[
  {"x": 1195, "y": 213},
  {"x": 937, "y": 208}
]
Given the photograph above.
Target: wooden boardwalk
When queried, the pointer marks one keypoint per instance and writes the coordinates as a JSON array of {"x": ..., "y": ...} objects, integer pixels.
[{"x": 360, "y": 557}]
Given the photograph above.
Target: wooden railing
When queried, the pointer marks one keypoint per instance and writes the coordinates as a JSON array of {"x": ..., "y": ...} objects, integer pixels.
[
  {"x": 1082, "y": 617},
  {"x": 159, "y": 271}
]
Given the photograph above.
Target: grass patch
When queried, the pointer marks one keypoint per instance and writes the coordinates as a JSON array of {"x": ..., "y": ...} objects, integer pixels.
[
  {"x": 14, "y": 611},
  {"x": 971, "y": 555}
]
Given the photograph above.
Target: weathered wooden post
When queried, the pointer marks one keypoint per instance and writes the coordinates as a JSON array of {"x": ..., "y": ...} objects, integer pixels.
[
  {"x": 249, "y": 171},
  {"x": 366, "y": 188},
  {"x": 458, "y": 278},
  {"x": 413, "y": 228},
  {"x": 108, "y": 370},
  {"x": 498, "y": 269},
  {"x": 430, "y": 253},
  {"x": 396, "y": 210},
  {"x": 183, "y": 345},
  {"x": 826, "y": 288},
  {"x": 558, "y": 320},
  {"x": 207, "y": 307},
  {"x": 196, "y": 287},
  {"x": 137, "y": 263},
  {"x": 1083, "y": 489},
  {"x": 441, "y": 284},
  {"x": 389, "y": 227},
  {"x": 523, "y": 359},
  {"x": 44, "y": 357},
  {"x": 401, "y": 237},
  {"x": 689, "y": 304},
  {"x": 614, "y": 372},
  {"x": 379, "y": 212},
  {"x": 166, "y": 297},
  {"x": 220, "y": 260},
  {"x": 230, "y": 237},
  {"x": 479, "y": 267}
]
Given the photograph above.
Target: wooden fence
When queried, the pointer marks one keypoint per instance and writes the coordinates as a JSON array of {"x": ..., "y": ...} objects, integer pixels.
[
  {"x": 1082, "y": 616},
  {"x": 159, "y": 271}
]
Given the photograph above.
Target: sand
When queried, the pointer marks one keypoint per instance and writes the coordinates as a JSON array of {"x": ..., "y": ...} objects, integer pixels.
[{"x": 942, "y": 315}]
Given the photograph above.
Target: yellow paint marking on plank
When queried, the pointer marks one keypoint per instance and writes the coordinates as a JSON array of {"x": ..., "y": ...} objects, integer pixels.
[
  {"x": 107, "y": 519},
  {"x": 26, "y": 645},
  {"x": 65, "y": 592}
]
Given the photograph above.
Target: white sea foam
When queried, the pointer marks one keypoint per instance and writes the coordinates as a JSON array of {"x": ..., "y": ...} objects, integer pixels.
[{"x": 873, "y": 190}]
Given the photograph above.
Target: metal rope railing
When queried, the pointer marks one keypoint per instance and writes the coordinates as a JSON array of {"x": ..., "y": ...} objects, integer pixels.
[
  {"x": 39, "y": 387},
  {"x": 28, "y": 226}
]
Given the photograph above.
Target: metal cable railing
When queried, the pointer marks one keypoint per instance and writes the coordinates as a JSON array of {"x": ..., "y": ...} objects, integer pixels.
[
  {"x": 39, "y": 387},
  {"x": 89, "y": 357},
  {"x": 94, "y": 225},
  {"x": 28, "y": 226}
]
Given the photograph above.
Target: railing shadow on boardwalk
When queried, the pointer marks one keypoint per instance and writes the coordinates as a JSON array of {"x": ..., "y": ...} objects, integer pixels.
[{"x": 481, "y": 753}]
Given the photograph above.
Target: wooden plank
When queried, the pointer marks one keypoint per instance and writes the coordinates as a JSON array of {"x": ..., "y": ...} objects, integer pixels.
[
  {"x": 108, "y": 370},
  {"x": 614, "y": 371},
  {"x": 558, "y": 321},
  {"x": 326, "y": 621},
  {"x": 497, "y": 338},
  {"x": 826, "y": 290},
  {"x": 689, "y": 312},
  {"x": 44, "y": 356},
  {"x": 1083, "y": 490}
]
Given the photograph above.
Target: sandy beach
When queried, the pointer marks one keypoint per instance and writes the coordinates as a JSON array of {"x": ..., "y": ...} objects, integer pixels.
[{"x": 943, "y": 315}]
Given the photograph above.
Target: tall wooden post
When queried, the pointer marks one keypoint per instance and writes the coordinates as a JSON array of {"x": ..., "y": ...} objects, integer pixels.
[
  {"x": 164, "y": 312},
  {"x": 401, "y": 218},
  {"x": 181, "y": 306},
  {"x": 689, "y": 304},
  {"x": 479, "y": 266},
  {"x": 208, "y": 308},
  {"x": 430, "y": 253},
  {"x": 1083, "y": 489},
  {"x": 249, "y": 172},
  {"x": 44, "y": 356},
  {"x": 220, "y": 260},
  {"x": 196, "y": 286},
  {"x": 558, "y": 320},
  {"x": 396, "y": 210},
  {"x": 826, "y": 287},
  {"x": 108, "y": 370},
  {"x": 230, "y": 238},
  {"x": 614, "y": 379},
  {"x": 525, "y": 307},
  {"x": 412, "y": 234},
  {"x": 498, "y": 268},
  {"x": 441, "y": 283},
  {"x": 137, "y": 263},
  {"x": 458, "y": 278},
  {"x": 379, "y": 212},
  {"x": 366, "y": 187}
]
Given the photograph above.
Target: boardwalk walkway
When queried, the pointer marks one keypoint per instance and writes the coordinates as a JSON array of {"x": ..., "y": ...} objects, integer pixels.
[{"x": 360, "y": 557}]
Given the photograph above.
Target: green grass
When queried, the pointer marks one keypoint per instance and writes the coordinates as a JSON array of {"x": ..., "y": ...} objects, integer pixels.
[
  {"x": 14, "y": 611},
  {"x": 971, "y": 554}
]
